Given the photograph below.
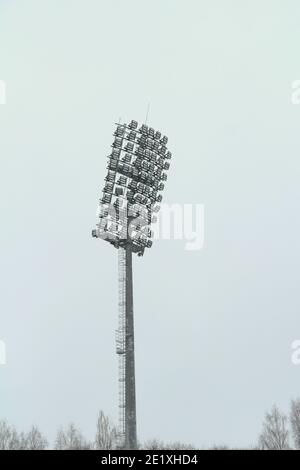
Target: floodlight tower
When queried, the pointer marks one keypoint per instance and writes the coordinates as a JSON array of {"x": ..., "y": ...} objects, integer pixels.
[{"x": 127, "y": 208}]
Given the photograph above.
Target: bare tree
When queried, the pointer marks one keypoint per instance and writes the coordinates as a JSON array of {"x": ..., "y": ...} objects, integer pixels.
[
  {"x": 9, "y": 439},
  {"x": 34, "y": 440},
  {"x": 106, "y": 434},
  {"x": 154, "y": 444},
  {"x": 295, "y": 421},
  {"x": 71, "y": 439},
  {"x": 274, "y": 435},
  {"x": 177, "y": 445}
]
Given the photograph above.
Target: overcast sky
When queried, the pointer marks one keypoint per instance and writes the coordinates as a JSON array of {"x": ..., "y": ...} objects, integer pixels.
[{"x": 214, "y": 327}]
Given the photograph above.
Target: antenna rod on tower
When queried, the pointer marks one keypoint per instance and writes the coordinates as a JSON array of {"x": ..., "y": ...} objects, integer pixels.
[{"x": 147, "y": 113}]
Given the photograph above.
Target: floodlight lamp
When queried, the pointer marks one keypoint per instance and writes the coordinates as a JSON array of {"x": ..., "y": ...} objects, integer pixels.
[
  {"x": 103, "y": 212},
  {"x": 131, "y": 135},
  {"x": 144, "y": 129},
  {"x": 110, "y": 176},
  {"x": 153, "y": 183},
  {"x": 135, "y": 171},
  {"x": 143, "y": 139},
  {"x": 145, "y": 165},
  {"x": 119, "y": 131},
  {"x": 149, "y": 144},
  {"x": 143, "y": 176},
  {"x": 147, "y": 154},
  {"x": 133, "y": 125},
  {"x": 124, "y": 168},
  {"x": 133, "y": 184},
  {"x": 158, "y": 173},
  {"x": 113, "y": 164},
  {"x": 129, "y": 147},
  {"x": 108, "y": 188},
  {"x": 160, "y": 162},
  {"x": 151, "y": 132},
  {"x": 138, "y": 163},
  {"x": 153, "y": 157},
  {"x": 115, "y": 154},
  {"x": 127, "y": 158},
  {"x": 106, "y": 199},
  {"x": 122, "y": 181},
  {"x": 155, "y": 145},
  {"x": 130, "y": 196},
  {"x": 117, "y": 142},
  {"x": 146, "y": 232}
]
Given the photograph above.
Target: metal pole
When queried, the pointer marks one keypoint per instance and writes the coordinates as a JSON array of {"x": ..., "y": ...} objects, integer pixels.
[{"x": 130, "y": 409}]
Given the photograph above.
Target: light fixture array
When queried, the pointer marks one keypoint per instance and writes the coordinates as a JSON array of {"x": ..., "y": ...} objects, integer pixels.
[{"x": 135, "y": 179}]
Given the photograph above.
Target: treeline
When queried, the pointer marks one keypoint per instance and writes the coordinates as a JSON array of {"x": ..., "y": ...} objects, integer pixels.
[
  {"x": 69, "y": 438},
  {"x": 279, "y": 432}
]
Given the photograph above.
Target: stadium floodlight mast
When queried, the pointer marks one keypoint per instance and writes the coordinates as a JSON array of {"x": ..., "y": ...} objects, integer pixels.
[{"x": 131, "y": 197}]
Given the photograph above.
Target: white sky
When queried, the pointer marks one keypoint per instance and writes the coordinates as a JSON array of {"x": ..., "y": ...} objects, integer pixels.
[{"x": 214, "y": 327}]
